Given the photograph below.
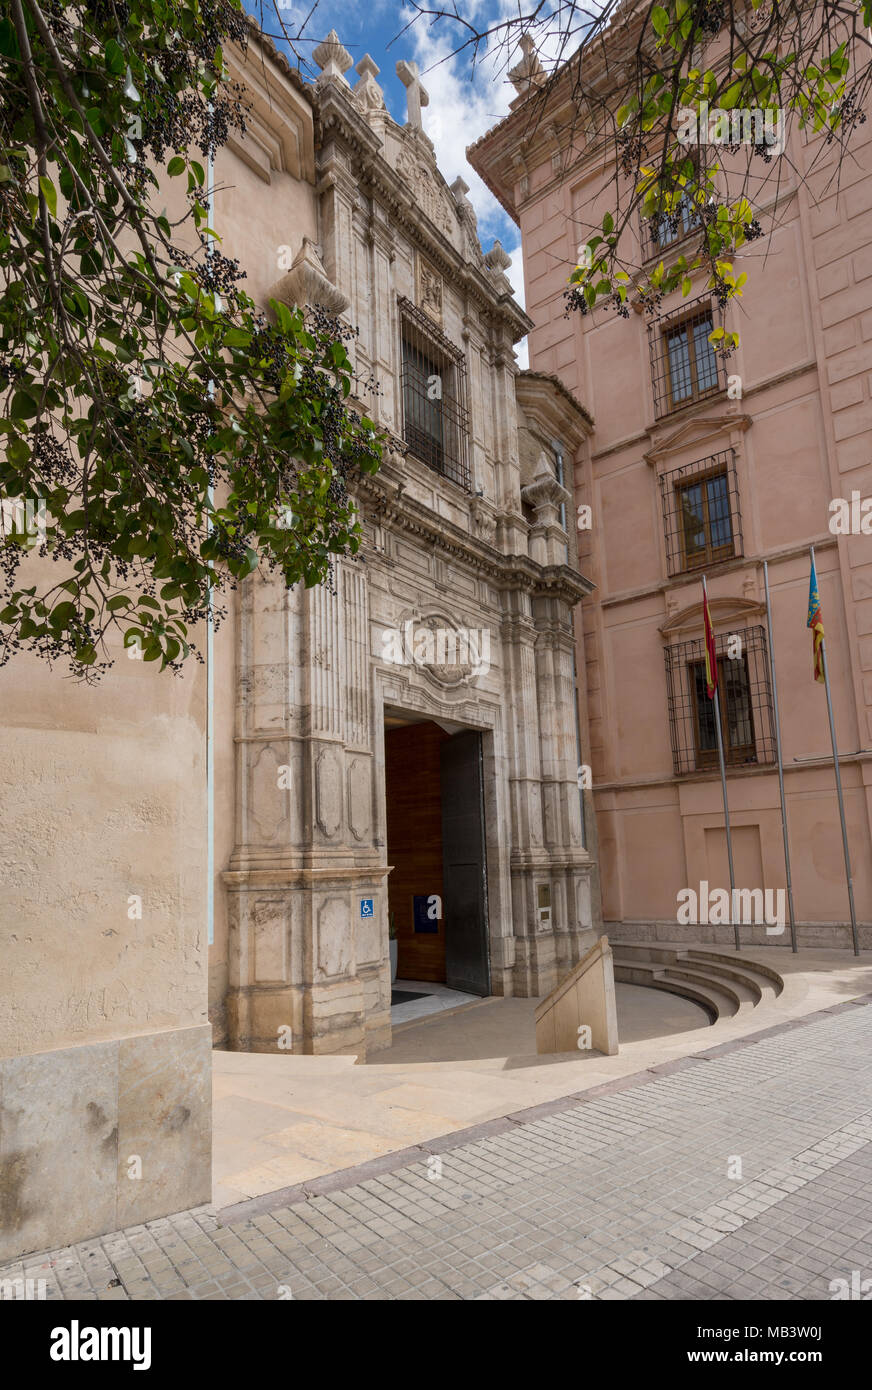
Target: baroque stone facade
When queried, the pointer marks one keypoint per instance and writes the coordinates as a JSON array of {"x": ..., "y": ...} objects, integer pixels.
[{"x": 465, "y": 538}]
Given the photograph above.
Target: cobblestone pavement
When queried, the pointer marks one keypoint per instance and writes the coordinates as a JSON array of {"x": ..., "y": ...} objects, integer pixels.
[{"x": 741, "y": 1172}]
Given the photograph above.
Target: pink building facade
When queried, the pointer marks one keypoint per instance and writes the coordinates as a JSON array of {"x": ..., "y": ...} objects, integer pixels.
[{"x": 696, "y": 465}]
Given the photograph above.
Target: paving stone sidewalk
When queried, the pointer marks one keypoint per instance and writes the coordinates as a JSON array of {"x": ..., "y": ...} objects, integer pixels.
[{"x": 744, "y": 1173}]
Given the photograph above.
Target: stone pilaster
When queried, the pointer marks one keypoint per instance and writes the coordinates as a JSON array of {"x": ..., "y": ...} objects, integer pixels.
[{"x": 308, "y": 970}]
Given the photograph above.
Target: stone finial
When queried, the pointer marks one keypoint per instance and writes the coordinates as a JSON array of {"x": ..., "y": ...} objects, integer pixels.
[
  {"x": 545, "y": 494},
  {"x": 496, "y": 258},
  {"x": 333, "y": 60},
  {"x": 460, "y": 188},
  {"x": 306, "y": 282},
  {"x": 416, "y": 96},
  {"x": 529, "y": 73},
  {"x": 367, "y": 93}
]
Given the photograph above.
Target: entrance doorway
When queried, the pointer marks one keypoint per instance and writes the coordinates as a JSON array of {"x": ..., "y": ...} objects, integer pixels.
[{"x": 437, "y": 891}]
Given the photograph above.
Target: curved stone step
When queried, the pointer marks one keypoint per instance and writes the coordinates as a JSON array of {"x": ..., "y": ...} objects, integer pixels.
[
  {"x": 758, "y": 985},
  {"x": 768, "y": 972},
  {"x": 720, "y": 983},
  {"x": 647, "y": 955},
  {"x": 740, "y": 996},
  {"x": 715, "y": 1003}
]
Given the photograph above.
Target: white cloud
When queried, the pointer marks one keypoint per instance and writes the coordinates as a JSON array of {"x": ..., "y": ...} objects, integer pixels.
[
  {"x": 464, "y": 103},
  {"x": 515, "y": 273}
]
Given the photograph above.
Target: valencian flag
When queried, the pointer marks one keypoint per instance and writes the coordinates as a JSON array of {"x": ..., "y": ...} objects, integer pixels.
[
  {"x": 816, "y": 622},
  {"x": 711, "y": 659}
]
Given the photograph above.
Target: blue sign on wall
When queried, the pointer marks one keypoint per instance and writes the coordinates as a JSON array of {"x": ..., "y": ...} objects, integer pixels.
[
  {"x": 366, "y": 907},
  {"x": 424, "y": 920}
]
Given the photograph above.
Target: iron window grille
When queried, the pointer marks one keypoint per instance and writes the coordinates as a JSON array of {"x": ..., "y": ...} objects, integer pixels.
[
  {"x": 433, "y": 381},
  {"x": 701, "y": 516},
  {"x": 684, "y": 365},
  {"x": 747, "y": 724}
]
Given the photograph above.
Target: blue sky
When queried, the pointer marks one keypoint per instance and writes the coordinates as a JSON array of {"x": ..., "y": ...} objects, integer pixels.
[{"x": 465, "y": 100}]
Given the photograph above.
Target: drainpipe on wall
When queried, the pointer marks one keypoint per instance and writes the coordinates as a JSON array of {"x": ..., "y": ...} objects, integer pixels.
[
  {"x": 558, "y": 455},
  {"x": 210, "y": 679}
]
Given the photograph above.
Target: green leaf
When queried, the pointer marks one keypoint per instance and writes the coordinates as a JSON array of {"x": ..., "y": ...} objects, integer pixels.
[
  {"x": 24, "y": 407},
  {"x": 49, "y": 192},
  {"x": 8, "y": 40},
  {"x": 62, "y": 613},
  {"x": 113, "y": 54},
  {"x": 176, "y": 166},
  {"x": 659, "y": 20},
  {"x": 730, "y": 97}
]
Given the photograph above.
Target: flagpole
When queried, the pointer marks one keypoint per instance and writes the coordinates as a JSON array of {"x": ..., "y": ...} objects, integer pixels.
[
  {"x": 839, "y": 787},
  {"x": 780, "y": 763},
  {"x": 724, "y": 789}
]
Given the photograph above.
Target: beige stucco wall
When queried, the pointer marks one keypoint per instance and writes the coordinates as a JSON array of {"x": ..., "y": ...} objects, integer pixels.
[
  {"x": 101, "y": 797},
  {"x": 105, "y": 1071}
]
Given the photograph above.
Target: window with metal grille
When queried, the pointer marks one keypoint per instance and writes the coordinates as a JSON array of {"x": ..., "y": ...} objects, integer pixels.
[
  {"x": 747, "y": 726},
  {"x": 684, "y": 365},
  {"x": 667, "y": 228},
  {"x": 701, "y": 513},
  {"x": 433, "y": 380}
]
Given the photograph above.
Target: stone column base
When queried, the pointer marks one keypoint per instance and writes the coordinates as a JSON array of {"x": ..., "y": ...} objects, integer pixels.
[{"x": 103, "y": 1135}]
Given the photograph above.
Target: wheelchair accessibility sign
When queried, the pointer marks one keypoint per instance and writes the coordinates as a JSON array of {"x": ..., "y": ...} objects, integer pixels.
[{"x": 366, "y": 907}]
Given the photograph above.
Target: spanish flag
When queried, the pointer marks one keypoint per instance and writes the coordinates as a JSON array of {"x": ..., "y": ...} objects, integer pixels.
[
  {"x": 711, "y": 658},
  {"x": 816, "y": 622}
]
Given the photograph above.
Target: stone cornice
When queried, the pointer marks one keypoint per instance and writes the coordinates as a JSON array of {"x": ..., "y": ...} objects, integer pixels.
[
  {"x": 698, "y": 427},
  {"x": 545, "y": 401},
  {"x": 382, "y": 500},
  {"x": 722, "y": 610},
  {"x": 279, "y": 122}
]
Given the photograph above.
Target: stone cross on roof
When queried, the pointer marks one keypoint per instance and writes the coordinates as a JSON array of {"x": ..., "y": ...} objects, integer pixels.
[{"x": 416, "y": 96}]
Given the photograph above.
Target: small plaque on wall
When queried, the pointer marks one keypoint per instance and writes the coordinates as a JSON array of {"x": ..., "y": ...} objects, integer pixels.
[{"x": 424, "y": 915}]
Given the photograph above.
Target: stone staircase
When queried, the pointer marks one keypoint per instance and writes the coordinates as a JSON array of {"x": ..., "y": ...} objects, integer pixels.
[{"x": 722, "y": 984}]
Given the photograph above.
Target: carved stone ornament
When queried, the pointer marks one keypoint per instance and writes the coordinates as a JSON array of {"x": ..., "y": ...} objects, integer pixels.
[
  {"x": 545, "y": 494},
  {"x": 483, "y": 520},
  {"x": 449, "y": 653},
  {"x": 416, "y": 166},
  {"x": 430, "y": 290},
  {"x": 529, "y": 74},
  {"x": 367, "y": 94},
  {"x": 497, "y": 263},
  {"x": 306, "y": 282},
  {"x": 468, "y": 220},
  {"x": 333, "y": 60}
]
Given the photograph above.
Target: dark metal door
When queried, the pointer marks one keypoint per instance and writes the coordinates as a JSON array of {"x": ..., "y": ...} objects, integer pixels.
[{"x": 464, "y": 876}]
